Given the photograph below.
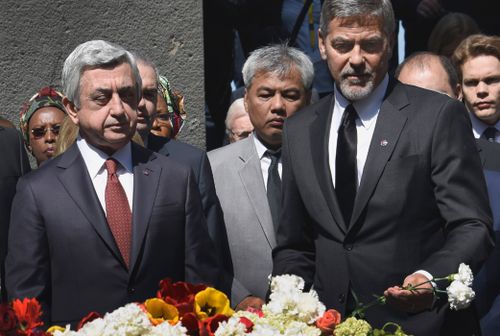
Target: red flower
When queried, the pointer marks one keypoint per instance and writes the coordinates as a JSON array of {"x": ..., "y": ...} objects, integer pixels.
[
  {"x": 179, "y": 294},
  {"x": 209, "y": 325},
  {"x": 328, "y": 321},
  {"x": 8, "y": 319},
  {"x": 89, "y": 318},
  {"x": 47, "y": 92},
  {"x": 206, "y": 327},
  {"x": 255, "y": 311},
  {"x": 248, "y": 324},
  {"x": 28, "y": 313}
]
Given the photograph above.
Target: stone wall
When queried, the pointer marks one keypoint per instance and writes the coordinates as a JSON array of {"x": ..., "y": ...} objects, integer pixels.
[{"x": 36, "y": 37}]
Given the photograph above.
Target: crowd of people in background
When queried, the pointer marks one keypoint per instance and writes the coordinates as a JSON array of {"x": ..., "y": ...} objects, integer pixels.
[{"x": 326, "y": 159}]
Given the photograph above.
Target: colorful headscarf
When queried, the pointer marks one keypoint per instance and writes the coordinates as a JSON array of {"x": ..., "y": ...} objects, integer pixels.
[
  {"x": 175, "y": 104},
  {"x": 47, "y": 96}
]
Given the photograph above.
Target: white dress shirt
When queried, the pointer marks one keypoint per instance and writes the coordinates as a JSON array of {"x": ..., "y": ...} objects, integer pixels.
[
  {"x": 367, "y": 110},
  {"x": 94, "y": 161},
  {"x": 478, "y": 127},
  {"x": 265, "y": 160}
]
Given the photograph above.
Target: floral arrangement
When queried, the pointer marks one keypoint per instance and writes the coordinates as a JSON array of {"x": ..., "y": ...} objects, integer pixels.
[{"x": 197, "y": 310}]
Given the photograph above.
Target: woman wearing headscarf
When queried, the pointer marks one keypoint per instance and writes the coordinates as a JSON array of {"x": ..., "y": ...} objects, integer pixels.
[
  {"x": 170, "y": 115},
  {"x": 40, "y": 121}
]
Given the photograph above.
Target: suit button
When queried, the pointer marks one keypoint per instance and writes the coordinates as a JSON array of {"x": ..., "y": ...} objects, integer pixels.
[
  {"x": 131, "y": 290},
  {"x": 341, "y": 298},
  {"x": 348, "y": 247}
]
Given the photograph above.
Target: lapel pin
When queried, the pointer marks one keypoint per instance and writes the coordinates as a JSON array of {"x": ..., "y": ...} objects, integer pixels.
[
  {"x": 146, "y": 171},
  {"x": 384, "y": 143}
]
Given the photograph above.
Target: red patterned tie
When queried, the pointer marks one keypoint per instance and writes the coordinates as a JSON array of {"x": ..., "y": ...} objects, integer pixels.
[{"x": 118, "y": 211}]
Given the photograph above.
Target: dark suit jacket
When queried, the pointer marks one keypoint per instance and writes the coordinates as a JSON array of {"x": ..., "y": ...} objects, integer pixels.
[
  {"x": 198, "y": 161},
  {"x": 62, "y": 252},
  {"x": 487, "y": 282},
  {"x": 421, "y": 205},
  {"x": 14, "y": 164}
]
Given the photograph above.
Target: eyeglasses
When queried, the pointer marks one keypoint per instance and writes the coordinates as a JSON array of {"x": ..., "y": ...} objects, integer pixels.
[{"x": 40, "y": 131}]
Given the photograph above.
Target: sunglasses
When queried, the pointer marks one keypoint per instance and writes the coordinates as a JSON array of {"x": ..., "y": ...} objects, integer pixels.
[{"x": 40, "y": 131}]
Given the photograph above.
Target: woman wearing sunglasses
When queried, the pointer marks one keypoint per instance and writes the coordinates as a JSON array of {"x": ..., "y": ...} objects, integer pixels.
[
  {"x": 40, "y": 120},
  {"x": 170, "y": 113}
]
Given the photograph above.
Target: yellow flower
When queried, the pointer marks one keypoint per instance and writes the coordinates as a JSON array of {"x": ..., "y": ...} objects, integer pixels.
[
  {"x": 160, "y": 311},
  {"x": 55, "y": 328},
  {"x": 210, "y": 302}
]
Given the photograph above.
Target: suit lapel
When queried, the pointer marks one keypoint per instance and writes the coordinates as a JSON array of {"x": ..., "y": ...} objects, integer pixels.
[
  {"x": 319, "y": 131},
  {"x": 390, "y": 123},
  {"x": 251, "y": 177},
  {"x": 76, "y": 180},
  {"x": 146, "y": 180}
]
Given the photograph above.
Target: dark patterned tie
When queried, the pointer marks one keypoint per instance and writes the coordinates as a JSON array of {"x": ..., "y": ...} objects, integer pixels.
[
  {"x": 274, "y": 187},
  {"x": 490, "y": 134},
  {"x": 118, "y": 211},
  {"x": 346, "y": 172}
]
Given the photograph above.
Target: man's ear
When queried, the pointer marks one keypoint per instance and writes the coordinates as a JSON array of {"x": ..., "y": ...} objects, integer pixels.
[
  {"x": 71, "y": 110},
  {"x": 458, "y": 92},
  {"x": 322, "y": 45}
]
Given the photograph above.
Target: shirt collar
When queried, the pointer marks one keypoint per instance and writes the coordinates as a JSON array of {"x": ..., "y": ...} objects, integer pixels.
[
  {"x": 366, "y": 108},
  {"x": 478, "y": 127},
  {"x": 259, "y": 146},
  {"x": 94, "y": 158}
]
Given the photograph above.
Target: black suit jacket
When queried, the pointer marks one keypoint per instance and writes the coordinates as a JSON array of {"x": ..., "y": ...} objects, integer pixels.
[
  {"x": 421, "y": 205},
  {"x": 62, "y": 251},
  {"x": 14, "y": 164},
  {"x": 198, "y": 161},
  {"x": 487, "y": 282}
]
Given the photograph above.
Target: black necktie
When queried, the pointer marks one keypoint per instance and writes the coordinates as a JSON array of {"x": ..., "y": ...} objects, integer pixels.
[
  {"x": 346, "y": 172},
  {"x": 274, "y": 187},
  {"x": 490, "y": 134}
]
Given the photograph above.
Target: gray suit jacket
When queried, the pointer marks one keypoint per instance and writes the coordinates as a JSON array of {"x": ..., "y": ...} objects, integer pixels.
[{"x": 240, "y": 188}]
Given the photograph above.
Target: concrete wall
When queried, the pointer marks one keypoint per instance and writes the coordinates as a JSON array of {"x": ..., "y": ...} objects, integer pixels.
[{"x": 36, "y": 36}]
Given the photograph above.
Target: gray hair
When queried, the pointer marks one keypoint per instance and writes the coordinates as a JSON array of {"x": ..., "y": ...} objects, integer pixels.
[
  {"x": 139, "y": 58},
  {"x": 236, "y": 110},
  {"x": 381, "y": 9},
  {"x": 91, "y": 55},
  {"x": 278, "y": 59}
]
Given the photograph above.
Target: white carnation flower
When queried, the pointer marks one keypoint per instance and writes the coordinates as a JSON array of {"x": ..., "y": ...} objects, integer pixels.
[
  {"x": 231, "y": 327},
  {"x": 300, "y": 328},
  {"x": 464, "y": 275},
  {"x": 93, "y": 328},
  {"x": 459, "y": 295},
  {"x": 166, "y": 329},
  {"x": 264, "y": 330},
  {"x": 287, "y": 284},
  {"x": 129, "y": 320}
]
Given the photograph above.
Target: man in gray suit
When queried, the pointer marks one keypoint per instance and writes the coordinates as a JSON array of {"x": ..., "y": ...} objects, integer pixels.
[{"x": 247, "y": 173}]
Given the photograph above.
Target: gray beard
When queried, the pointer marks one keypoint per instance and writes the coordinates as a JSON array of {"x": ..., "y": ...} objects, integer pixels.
[{"x": 355, "y": 93}]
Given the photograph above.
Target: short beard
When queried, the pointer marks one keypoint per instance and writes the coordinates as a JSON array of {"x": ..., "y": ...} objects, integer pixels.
[
  {"x": 354, "y": 89},
  {"x": 354, "y": 93}
]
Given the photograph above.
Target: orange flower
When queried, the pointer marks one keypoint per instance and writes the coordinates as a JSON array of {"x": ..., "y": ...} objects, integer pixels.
[
  {"x": 28, "y": 313},
  {"x": 159, "y": 311},
  {"x": 328, "y": 321}
]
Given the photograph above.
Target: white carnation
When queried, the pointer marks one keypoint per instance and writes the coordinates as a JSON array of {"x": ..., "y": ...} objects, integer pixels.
[
  {"x": 129, "y": 320},
  {"x": 166, "y": 329},
  {"x": 459, "y": 295},
  {"x": 286, "y": 284},
  {"x": 464, "y": 275},
  {"x": 300, "y": 328},
  {"x": 231, "y": 327},
  {"x": 93, "y": 328}
]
